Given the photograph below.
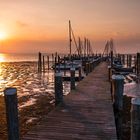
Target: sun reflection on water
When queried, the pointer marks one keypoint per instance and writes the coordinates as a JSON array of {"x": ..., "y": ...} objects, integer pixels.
[
  {"x": 2, "y": 57},
  {"x": 0, "y": 79}
]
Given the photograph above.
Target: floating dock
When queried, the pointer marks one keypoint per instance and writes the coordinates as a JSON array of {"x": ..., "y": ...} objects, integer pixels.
[{"x": 87, "y": 113}]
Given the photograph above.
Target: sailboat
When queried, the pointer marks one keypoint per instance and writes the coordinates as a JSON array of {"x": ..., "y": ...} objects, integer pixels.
[{"x": 71, "y": 61}]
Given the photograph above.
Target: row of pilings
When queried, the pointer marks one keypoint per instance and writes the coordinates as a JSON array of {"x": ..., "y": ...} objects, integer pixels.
[
  {"x": 55, "y": 60},
  {"x": 10, "y": 94},
  {"x": 88, "y": 64},
  {"x": 117, "y": 79}
]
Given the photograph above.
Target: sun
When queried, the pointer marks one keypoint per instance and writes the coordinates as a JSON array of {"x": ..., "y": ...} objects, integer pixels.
[{"x": 3, "y": 35}]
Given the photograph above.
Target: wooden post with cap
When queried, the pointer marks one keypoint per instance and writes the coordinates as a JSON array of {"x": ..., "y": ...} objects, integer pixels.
[
  {"x": 117, "y": 88},
  {"x": 10, "y": 95},
  {"x": 135, "y": 119},
  {"x": 58, "y": 88},
  {"x": 72, "y": 79}
]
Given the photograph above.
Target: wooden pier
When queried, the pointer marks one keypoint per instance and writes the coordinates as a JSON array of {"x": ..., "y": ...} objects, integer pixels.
[{"x": 87, "y": 113}]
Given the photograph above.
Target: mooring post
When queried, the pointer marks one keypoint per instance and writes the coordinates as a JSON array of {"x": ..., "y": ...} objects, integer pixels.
[
  {"x": 118, "y": 86},
  {"x": 39, "y": 62},
  {"x": 123, "y": 59},
  {"x": 87, "y": 64},
  {"x": 72, "y": 78},
  {"x": 10, "y": 95},
  {"x": 134, "y": 62},
  {"x": 59, "y": 59},
  {"x": 109, "y": 73},
  {"x": 55, "y": 64},
  {"x": 88, "y": 67},
  {"x": 52, "y": 58},
  {"x": 59, "y": 69},
  {"x": 119, "y": 57},
  {"x": 130, "y": 60},
  {"x": 43, "y": 63},
  {"x": 58, "y": 88},
  {"x": 48, "y": 62},
  {"x": 38, "y": 66},
  {"x": 135, "y": 119},
  {"x": 127, "y": 60},
  {"x": 138, "y": 64},
  {"x": 56, "y": 56}
]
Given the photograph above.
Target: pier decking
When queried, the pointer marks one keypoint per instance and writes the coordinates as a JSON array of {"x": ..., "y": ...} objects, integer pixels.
[{"x": 87, "y": 113}]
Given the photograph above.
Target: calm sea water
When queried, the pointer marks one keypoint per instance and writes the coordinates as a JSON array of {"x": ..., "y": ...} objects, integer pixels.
[
  {"x": 18, "y": 57},
  {"x": 35, "y": 91},
  {"x": 20, "y": 71},
  {"x": 9, "y": 72}
]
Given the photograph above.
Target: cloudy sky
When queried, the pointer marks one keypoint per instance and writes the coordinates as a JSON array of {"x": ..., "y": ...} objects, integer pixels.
[{"x": 42, "y": 25}]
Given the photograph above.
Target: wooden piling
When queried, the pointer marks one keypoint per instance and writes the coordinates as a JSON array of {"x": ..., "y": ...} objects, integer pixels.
[
  {"x": 135, "y": 119},
  {"x": 48, "y": 62},
  {"x": 56, "y": 56},
  {"x": 138, "y": 64},
  {"x": 109, "y": 73},
  {"x": 117, "y": 88},
  {"x": 58, "y": 88},
  {"x": 55, "y": 63},
  {"x": 123, "y": 59},
  {"x": 52, "y": 58},
  {"x": 59, "y": 63},
  {"x": 39, "y": 62},
  {"x": 59, "y": 59},
  {"x": 119, "y": 57},
  {"x": 43, "y": 63},
  {"x": 72, "y": 78},
  {"x": 135, "y": 63},
  {"x": 129, "y": 61},
  {"x": 10, "y": 95}
]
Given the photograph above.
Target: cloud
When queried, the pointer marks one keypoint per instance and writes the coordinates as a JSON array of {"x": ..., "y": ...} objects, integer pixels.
[{"x": 21, "y": 24}]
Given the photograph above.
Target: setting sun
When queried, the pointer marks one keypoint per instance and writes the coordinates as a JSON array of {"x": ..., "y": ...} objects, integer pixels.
[{"x": 3, "y": 35}]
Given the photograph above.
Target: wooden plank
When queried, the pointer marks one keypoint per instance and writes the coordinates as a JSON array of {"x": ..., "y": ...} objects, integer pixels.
[{"x": 86, "y": 114}]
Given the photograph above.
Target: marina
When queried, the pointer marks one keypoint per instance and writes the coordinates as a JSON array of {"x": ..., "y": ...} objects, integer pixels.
[
  {"x": 70, "y": 70},
  {"x": 59, "y": 79}
]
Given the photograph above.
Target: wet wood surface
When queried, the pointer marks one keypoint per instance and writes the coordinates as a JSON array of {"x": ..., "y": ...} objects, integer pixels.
[{"x": 86, "y": 114}]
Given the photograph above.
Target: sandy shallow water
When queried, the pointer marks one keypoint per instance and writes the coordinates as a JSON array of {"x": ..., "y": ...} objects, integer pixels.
[{"x": 35, "y": 93}]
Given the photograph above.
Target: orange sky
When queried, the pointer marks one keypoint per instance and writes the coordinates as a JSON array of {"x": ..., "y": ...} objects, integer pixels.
[{"x": 42, "y": 25}]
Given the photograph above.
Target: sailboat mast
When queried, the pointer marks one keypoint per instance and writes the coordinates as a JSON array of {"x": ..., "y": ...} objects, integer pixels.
[{"x": 70, "y": 40}]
